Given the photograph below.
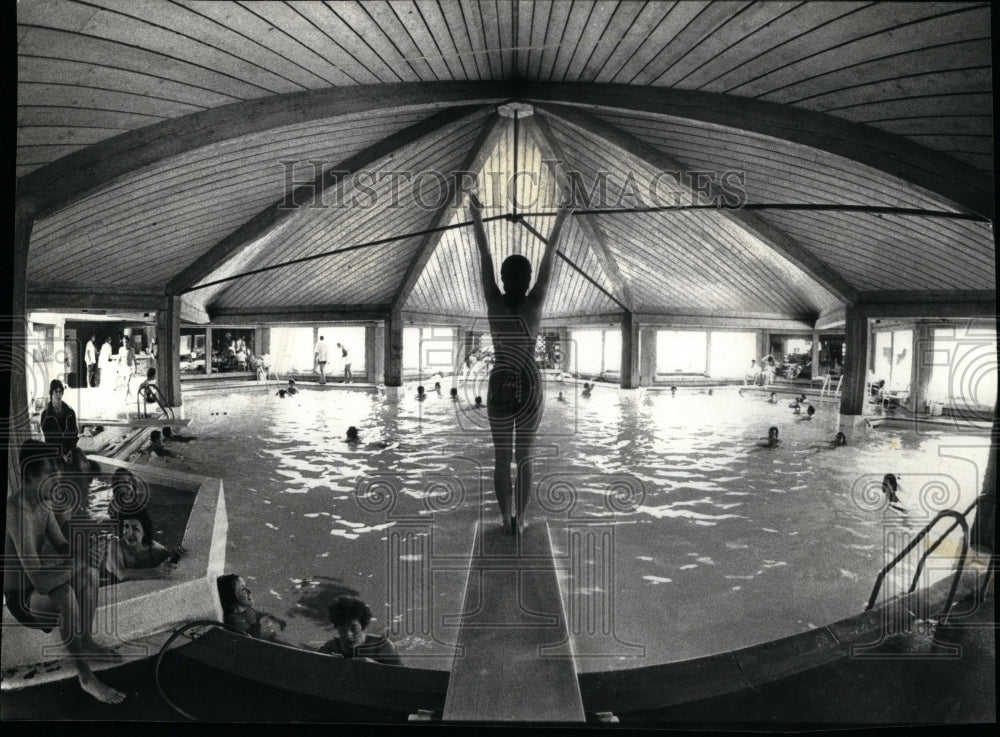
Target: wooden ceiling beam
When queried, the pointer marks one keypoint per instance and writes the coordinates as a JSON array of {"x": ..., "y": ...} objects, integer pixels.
[
  {"x": 472, "y": 163},
  {"x": 964, "y": 186},
  {"x": 552, "y": 154},
  {"x": 78, "y": 174},
  {"x": 738, "y": 220},
  {"x": 335, "y": 179}
]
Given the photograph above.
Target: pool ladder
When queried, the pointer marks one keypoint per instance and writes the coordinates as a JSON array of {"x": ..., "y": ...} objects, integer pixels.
[{"x": 960, "y": 519}]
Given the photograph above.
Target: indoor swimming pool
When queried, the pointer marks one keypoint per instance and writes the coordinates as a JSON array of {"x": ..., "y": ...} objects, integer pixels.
[{"x": 681, "y": 535}]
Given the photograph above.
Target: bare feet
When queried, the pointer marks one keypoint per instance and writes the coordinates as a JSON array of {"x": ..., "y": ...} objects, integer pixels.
[
  {"x": 507, "y": 526},
  {"x": 92, "y": 650},
  {"x": 100, "y": 691}
]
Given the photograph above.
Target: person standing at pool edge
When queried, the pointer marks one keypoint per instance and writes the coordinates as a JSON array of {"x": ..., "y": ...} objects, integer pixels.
[
  {"x": 515, "y": 396},
  {"x": 348, "y": 376},
  {"x": 322, "y": 355}
]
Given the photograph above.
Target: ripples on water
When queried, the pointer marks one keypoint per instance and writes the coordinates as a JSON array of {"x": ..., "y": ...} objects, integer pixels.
[{"x": 718, "y": 543}]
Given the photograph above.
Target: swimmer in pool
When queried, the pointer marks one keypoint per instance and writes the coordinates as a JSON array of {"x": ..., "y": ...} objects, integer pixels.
[
  {"x": 289, "y": 391},
  {"x": 890, "y": 485},
  {"x": 239, "y": 612},
  {"x": 810, "y": 411},
  {"x": 773, "y": 399},
  {"x": 437, "y": 386},
  {"x": 353, "y": 439},
  {"x": 561, "y": 398},
  {"x": 420, "y": 394},
  {"x": 673, "y": 391},
  {"x": 772, "y": 438},
  {"x": 169, "y": 436},
  {"x": 478, "y": 403},
  {"x": 156, "y": 447},
  {"x": 454, "y": 394},
  {"x": 839, "y": 440},
  {"x": 515, "y": 397},
  {"x": 586, "y": 389}
]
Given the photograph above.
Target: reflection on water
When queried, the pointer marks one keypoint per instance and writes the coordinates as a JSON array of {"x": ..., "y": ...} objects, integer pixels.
[{"x": 717, "y": 542}]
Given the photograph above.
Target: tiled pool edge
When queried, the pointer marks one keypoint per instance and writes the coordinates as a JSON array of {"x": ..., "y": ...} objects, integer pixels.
[
  {"x": 135, "y": 609},
  {"x": 662, "y": 686}
]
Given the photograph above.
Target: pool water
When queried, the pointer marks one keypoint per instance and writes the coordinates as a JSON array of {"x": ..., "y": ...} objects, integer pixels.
[{"x": 682, "y": 537}]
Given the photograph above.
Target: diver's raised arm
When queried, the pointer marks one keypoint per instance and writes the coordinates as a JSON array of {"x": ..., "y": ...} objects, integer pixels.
[
  {"x": 545, "y": 267},
  {"x": 490, "y": 289}
]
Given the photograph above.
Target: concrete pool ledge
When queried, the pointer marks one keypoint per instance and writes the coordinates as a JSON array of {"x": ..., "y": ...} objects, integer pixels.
[
  {"x": 132, "y": 610},
  {"x": 661, "y": 686}
]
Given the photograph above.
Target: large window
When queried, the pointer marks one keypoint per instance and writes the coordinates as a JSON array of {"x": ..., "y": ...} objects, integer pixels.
[
  {"x": 429, "y": 350},
  {"x": 681, "y": 351},
  {"x": 351, "y": 338},
  {"x": 963, "y": 367},
  {"x": 731, "y": 354},
  {"x": 233, "y": 349},
  {"x": 596, "y": 351},
  {"x": 894, "y": 358},
  {"x": 192, "y": 350},
  {"x": 292, "y": 350}
]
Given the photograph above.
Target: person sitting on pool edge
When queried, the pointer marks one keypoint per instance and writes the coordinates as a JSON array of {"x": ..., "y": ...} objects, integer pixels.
[
  {"x": 239, "y": 613},
  {"x": 168, "y": 435},
  {"x": 351, "y": 616},
  {"x": 150, "y": 393}
]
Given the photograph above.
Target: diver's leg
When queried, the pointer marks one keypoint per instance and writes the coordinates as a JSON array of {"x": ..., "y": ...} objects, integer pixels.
[
  {"x": 502, "y": 430},
  {"x": 526, "y": 428}
]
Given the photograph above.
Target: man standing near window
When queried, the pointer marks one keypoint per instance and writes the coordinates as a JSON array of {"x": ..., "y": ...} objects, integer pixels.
[
  {"x": 322, "y": 355},
  {"x": 90, "y": 358},
  {"x": 347, "y": 364}
]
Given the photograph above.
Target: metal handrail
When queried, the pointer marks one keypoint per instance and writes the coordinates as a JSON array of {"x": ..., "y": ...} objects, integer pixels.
[
  {"x": 960, "y": 519},
  {"x": 927, "y": 553}
]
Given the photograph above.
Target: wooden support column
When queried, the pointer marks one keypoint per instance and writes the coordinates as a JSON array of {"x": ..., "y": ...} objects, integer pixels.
[
  {"x": 168, "y": 338},
  {"x": 393, "y": 371},
  {"x": 923, "y": 358},
  {"x": 852, "y": 397},
  {"x": 18, "y": 427},
  {"x": 763, "y": 344},
  {"x": 630, "y": 351},
  {"x": 708, "y": 354},
  {"x": 371, "y": 353},
  {"x": 263, "y": 340},
  {"x": 461, "y": 350},
  {"x": 815, "y": 354},
  {"x": 647, "y": 357},
  {"x": 208, "y": 350}
]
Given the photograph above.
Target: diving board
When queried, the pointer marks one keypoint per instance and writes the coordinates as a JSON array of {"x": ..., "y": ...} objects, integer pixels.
[{"x": 512, "y": 663}]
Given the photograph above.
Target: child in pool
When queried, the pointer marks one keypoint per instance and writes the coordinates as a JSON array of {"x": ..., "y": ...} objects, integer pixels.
[
  {"x": 561, "y": 398},
  {"x": 420, "y": 394},
  {"x": 351, "y": 616},
  {"x": 239, "y": 613},
  {"x": 454, "y": 394},
  {"x": 169, "y": 436}
]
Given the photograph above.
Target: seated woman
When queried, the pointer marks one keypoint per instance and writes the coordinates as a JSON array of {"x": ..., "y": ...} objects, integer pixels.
[
  {"x": 149, "y": 393},
  {"x": 239, "y": 613},
  {"x": 134, "y": 555},
  {"x": 351, "y": 616}
]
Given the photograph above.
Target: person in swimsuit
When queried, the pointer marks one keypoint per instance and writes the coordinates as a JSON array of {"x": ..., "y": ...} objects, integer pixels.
[
  {"x": 351, "y": 616},
  {"x": 515, "y": 396},
  {"x": 133, "y": 554},
  {"x": 47, "y": 582},
  {"x": 239, "y": 612}
]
